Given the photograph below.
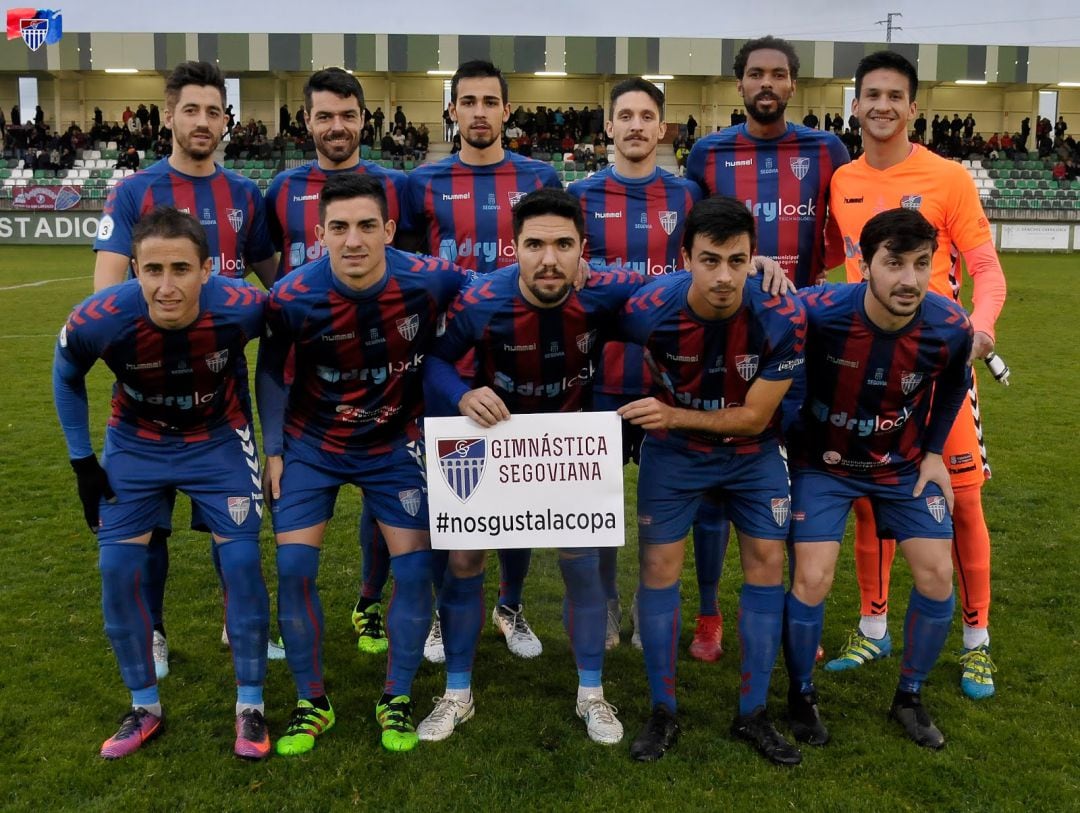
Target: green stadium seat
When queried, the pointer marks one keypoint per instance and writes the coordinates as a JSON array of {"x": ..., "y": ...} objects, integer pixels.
[
  {"x": 410, "y": 165},
  {"x": 376, "y": 154}
]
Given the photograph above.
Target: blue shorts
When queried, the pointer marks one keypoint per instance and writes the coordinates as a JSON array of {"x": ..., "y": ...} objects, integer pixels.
[
  {"x": 752, "y": 488},
  {"x": 394, "y": 485},
  {"x": 820, "y": 503},
  {"x": 220, "y": 475},
  {"x": 632, "y": 435}
]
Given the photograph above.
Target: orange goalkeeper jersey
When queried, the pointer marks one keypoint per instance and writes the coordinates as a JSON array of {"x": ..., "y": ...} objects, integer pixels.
[{"x": 940, "y": 189}]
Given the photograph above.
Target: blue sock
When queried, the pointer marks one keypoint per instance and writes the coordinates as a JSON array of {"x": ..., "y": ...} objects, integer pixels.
[
  {"x": 249, "y": 695},
  {"x": 374, "y": 558},
  {"x": 407, "y": 619},
  {"x": 660, "y": 623},
  {"x": 711, "y": 531},
  {"x": 926, "y": 627},
  {"x": 145, "y": 697},
  {"x": 513, "y": 568},
  {"x": 157, "y": 571},
  {"x": 440, "y": 572},
  {"x": 127, "y": 615},
  {"x": 585, "y": 610},
  {"x": 300, "y": 616},
  {"x": 609, "y": 571},
  {"x": 215, "y": 557},
  {"x": 461, "y": 614},
  {"x": 761, "y": 621},
  {"x": 247, "y": 608},
  {"x": 802, "y": 634}
]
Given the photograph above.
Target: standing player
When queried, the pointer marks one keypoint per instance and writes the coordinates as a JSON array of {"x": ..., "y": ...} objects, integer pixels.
[
  {"x": 726, "y": 352},
  {"x": 781, "y": 171},
  {"x": 230, "y": 209},
  {"x": 887, "y": 370},
  {"x": 462, "y": 206},
  {"x": 894, "y": 172},
  {"x": 334, "y": 101},
  {"x": 360, "y": 320},
  {"x": 505, "y": 316},
  {"x": 635, "y": 217},
  {"x": 174, "y": 337}
]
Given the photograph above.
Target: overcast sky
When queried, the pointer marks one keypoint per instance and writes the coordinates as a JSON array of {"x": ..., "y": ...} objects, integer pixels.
[{"x": 984, "y": 22}]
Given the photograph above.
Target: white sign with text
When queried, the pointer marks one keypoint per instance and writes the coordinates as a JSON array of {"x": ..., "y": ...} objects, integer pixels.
[{"x": 534, "y": 481}]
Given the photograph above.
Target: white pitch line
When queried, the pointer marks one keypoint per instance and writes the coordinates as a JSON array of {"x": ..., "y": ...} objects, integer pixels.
[
  {"x": 29, "y": 336},
  {"x": 41, "y": 282}
]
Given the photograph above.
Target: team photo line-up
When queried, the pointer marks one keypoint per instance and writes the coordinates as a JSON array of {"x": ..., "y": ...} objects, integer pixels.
[{"x": 751, "y": 392}]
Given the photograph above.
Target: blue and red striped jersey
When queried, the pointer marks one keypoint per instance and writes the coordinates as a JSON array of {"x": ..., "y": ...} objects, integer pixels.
[
  {"x": 785, "y": 182},
  {"x": 292, "y": 208},
  {"x": 878, "y": 400},
  {"x": 170, "y": 384},
  {"x": 635, "y": 223},
  {"x": 711, "y": 364},
  {"x": 358, "y": 387},
  {"x": 536, "y": 359},
  {"x": 463, "y": 210},
  {"x": 228, "y": 205}
]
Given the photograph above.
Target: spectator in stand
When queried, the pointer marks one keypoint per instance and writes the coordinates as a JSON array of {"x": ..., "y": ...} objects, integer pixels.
[
  {"x": 853, "y": 123},
  {"x": 98, "y": 117},
  {"x": 691, "y": 126},
  {"x": 399, "y": 119},
  {"x": 377, "y": 118},
  {"x": 423, "y": 139},
  {"x": 920, "y": 128},
  {"x": 956, "y": 125},
  {"x": 367, "y": 136},
  {"x": 399, "y": 141},
  {"x": 39, "y": 115},
  {"x": 143, "y": 115},
  {"x": 301, "y": 121},
  {"x": 1059, "y": 171},
  {"x": 1060, "y": 128},
  {"x": 810, "y": 120},
  {"x": 127, "y": 114},
  {"x": 1025, "y": 133},
  {"x": 155, "y": 120},
  {"x": 736, "y": 117},
  {"x": 284, "y": 117},
  {"x": 448, "y": 124},
  {"x": 16, "y": 117},
  {"x": 969, "y": 126}
]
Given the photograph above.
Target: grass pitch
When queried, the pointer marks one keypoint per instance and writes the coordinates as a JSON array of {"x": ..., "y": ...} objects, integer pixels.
[{"x": 61, "y": 695}]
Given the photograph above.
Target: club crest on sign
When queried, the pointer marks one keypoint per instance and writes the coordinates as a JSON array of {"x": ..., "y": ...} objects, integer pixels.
[
  {"x": 668, "y": 221},
  {"x": 746, "y": 366},
  {"x": 909, "y": 381},
  {"x": 936, "y": 506},
  {"x": 236, "y": 218},
  {"x": 408, "y": 327},
  {"x": 799, "y": 167},
  {"x": 911, "y": 201},
  {"x": 34, "y": 31},
  {"x": 238, "y": 509},
  {"x": 217, "y": 361},
  {"x": 462, "y": 462},
  {"x": 410, "y": 500},
  {"x": 781, "y": 509},
  {"x": 585, "y": 341}
]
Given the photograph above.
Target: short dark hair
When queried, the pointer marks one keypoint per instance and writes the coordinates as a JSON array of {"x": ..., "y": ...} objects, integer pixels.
[
  {"x": 348, "y": 185},
  {"x": 899, "y": 230},
  {"x": 335, "y": 80},
  {"x": 719, "y": 218},
  {"x": 478, "y": 69},
  {"x": 548, "y": 201},
  {"x": 889, "y": 61},
  {"x": 769, "y": 43},
  {"x": 193, "y": 73},
  {"x": 171, "y": 224},
  {"x": 637, "y": 84}
]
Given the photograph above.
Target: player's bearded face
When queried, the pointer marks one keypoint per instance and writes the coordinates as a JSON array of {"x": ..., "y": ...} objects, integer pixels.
[
  {"x": 335, "y": 125},
  {"x": 197, "y": 120},
  {"x": 548, "y": 251},
  {"x": 480, "y": 111},
  {"x": 171, "y": 278},
  {"x": 898, "y": 281},
  {"x": 356, "y": 236},
  {"x": 766, "y": 86}
]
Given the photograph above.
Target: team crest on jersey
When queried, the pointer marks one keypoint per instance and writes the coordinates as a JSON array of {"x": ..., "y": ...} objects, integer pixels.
[
  {"x": 746, "y": 366},
  {"x": 217, "y": 361},
  {"x": 909, "y": 381},
  {"x": 781, "y": 509},
  {"x": 462, "y": 462},
  {"x": 236, "y": 218},
  {"x": 936, "y": 507},
  {"x": 668, "y": 221},
  {"x": 911, "y": 201},
  {"x": 408, "y": 327},
  {"x": 585, "y": 341},
  {"x": 515, "y": 197},
  {"x": 238, "y": 509},
  {"x": 799, "y": 167},
  {"x": 410, "y": 500}
]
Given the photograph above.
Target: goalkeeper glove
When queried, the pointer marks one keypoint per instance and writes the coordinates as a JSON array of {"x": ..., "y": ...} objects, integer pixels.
[{"x": 93, "y": 485}]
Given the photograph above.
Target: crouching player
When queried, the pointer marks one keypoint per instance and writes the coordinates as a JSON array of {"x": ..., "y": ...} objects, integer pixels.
[
  {"x": 360, "y": 320},
  {"x": 726, "y": 353},
  {"x": 174, "y": 337},
  {"x": 887, "y": 371}
]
